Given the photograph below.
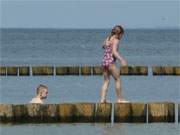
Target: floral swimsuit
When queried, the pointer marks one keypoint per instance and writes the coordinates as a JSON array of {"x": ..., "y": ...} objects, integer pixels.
[{"x": 108, "y": 57}]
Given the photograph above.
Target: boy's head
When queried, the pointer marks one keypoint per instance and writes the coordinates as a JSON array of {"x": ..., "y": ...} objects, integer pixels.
[{"x": 42, "y": 91}]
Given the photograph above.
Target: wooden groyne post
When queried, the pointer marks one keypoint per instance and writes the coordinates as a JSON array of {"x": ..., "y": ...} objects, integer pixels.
[
  {"x": 130, "y": 112},
  {"x": 161, "y": 112},
  {"x": 88, "y": 112},
  {"x": 85, "y": 70},
  {"x": 166, "y": 70}
]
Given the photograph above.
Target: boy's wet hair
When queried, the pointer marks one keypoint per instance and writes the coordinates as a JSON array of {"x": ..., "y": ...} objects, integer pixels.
[{"x": 39, "y": 88}]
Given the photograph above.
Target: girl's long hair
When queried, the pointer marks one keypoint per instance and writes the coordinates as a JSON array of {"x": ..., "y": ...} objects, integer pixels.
[{"x": 114, "y": 32}]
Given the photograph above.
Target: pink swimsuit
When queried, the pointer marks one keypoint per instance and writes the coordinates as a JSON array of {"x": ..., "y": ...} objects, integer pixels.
[{"x": 108, "y": 57}]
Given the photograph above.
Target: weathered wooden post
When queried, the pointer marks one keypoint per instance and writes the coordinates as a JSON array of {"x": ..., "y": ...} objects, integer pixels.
[
  {"x": 103, "y": 112},
  {"x": 168, "y": 70},
  {"x": 65, "y": 113},
  {"x": 6, "y": 113},
  {"x": 24, "y": 71},
  {"x": 161, "y": 112},
  {"x": 73, "y": 70},
  {"x": 61, "y": 70},
  {"x": 86, "y": 70},
  {"x": 50, "y": 113},
  {"x": 138, "y": 112},
  {"x": 136, "y": 70},
  {"x": 35, "y": 113},
  {"x": 13, "y": 71},
  {"x": 130, "y": 112},
  {"x": 67, "y": 70},
  {"x": 20, "y": 113},
  {"x": 43, "y": 70},
  {"x": 2, "y": 71},
  {"x": 157, "y": 70},
  {"x": 177, "y": 70},
  {"x": 139, "y": 70},
  {"x": 97, "y": 70},
  {"x": 126, "y": 70},
  {"x": 122, "y": 112},
  {"x": 84, "y": 112}
]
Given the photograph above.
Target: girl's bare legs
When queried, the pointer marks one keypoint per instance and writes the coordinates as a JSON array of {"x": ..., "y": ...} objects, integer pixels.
[
  {"x": 116, "y": 75},
  {"x": 105, "y": 86}
]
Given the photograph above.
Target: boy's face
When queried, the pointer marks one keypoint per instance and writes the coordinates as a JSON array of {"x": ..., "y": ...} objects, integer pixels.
[{"x": 44, "y": 93}]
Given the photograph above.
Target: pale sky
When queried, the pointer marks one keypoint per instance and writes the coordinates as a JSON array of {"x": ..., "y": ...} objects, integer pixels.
[{"x": 90, "y": 14}]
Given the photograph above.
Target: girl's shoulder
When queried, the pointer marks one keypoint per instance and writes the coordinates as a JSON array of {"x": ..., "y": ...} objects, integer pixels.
[
  {"x": 111, "y": 40},
  {"x": 114, "y": 39},
  {"x": 108, "y": 42}
]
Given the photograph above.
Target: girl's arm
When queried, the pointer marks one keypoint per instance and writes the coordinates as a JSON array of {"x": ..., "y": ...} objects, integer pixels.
[{"x": 117, "y": 54}]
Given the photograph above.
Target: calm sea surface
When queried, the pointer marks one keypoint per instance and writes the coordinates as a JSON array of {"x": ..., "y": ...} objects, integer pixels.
[
  {"x": 83, "y": 46},
  {"x": 59, "y": 47}
]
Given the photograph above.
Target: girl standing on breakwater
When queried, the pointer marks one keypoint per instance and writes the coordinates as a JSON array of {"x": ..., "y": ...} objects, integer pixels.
[{"x": 111, "y": 45}]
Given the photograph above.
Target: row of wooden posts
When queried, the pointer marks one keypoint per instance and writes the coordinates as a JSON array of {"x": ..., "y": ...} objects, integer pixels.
[
  {"x": 89, "y": 112},
  {"x": 85, "y": 70}
]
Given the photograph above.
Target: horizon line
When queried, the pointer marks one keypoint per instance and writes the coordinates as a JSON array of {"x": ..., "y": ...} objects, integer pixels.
[{"x": 87, "y": 28}]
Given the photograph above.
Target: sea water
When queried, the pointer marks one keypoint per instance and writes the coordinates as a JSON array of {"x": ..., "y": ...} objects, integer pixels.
[{"x": 79, "y": 47}]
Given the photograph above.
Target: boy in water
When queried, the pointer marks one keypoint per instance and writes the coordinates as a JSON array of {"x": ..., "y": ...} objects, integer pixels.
[{"x": 42, "y": 92}]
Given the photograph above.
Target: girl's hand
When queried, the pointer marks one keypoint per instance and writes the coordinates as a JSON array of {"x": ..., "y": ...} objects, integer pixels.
[
  {"x": 105, "y": 43},
  {"x": 124, "y": 63},
  {"x": 103, "y": 46}
]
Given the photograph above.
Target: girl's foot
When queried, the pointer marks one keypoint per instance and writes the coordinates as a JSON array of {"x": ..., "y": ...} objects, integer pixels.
[
  {"x": 104, "y": 101},
  {"x": 123, "y": 101}
]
